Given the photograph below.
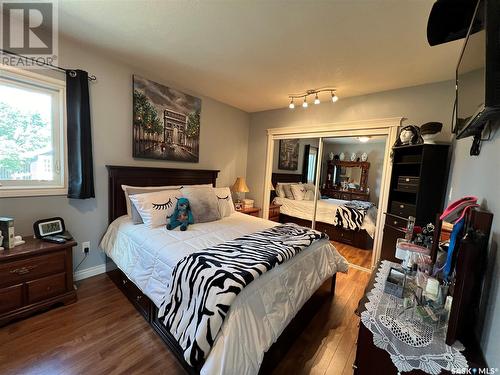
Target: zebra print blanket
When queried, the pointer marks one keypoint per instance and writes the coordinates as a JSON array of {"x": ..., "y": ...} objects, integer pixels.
[
  {"x": 205, "y": 283},
  {"x": 349, "y": 217}
]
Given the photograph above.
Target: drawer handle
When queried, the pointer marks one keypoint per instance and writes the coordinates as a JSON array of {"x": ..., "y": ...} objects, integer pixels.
[
  {"x": 48, "y": 289},
  {"x": 401, "y": 206},
  {"x": 23, "y": 270},
  {"x": 138, "y": 298},
  {"x": 124, "y": 281},
  {"x": 395, "y": 222},
  {"x": 354, "y": 367},
  {"x": 407, "y": 179}
]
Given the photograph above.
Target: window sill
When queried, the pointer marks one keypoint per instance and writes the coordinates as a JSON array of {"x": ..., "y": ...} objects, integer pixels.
[{"x": 31, "y": 192}]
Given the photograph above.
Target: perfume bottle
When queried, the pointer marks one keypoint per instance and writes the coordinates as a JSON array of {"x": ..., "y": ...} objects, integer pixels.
[{"x": 409, "y": 228}]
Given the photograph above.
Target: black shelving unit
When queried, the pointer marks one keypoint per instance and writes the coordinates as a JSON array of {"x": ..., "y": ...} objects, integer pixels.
[{"x": 418, "y": 188}]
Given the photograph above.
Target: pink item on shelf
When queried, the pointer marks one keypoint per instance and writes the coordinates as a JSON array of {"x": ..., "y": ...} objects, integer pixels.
[{"x": 457, "y": 209}]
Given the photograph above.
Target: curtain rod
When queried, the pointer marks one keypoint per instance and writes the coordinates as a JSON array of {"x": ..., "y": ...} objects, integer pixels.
[{"x": 39, "y": 63}]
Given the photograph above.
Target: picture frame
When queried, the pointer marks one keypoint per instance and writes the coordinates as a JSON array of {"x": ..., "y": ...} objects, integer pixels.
[
  {"x": 166, "y": 122},
  {"x": 288, "y": 158}
]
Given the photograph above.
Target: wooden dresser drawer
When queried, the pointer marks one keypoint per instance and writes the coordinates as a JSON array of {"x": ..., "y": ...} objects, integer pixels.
[
  {"x": 345, "y": 196},
  {"x": 403, "y": 209},
  {"x": 32, "y": 268},
  {"x": 46, "y": 287},
  {"x": 359, "y": 197},
  {"x": 11, "y": 298},
  {"x": 396, "y": 222},
  {"x": 135, "y": 295}
]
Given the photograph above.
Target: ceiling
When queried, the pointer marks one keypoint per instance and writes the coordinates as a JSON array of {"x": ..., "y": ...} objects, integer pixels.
[
  {"x": 351, "y": 140},
  {"x": 251, "y": 54}
]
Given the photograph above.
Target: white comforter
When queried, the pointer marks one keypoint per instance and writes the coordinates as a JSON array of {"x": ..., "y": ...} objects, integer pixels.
[
  {"x": 259, "y": 313},
  {"x": 325, "y": 211}
]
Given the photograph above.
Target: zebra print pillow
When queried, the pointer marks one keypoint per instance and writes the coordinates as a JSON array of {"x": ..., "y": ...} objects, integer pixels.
[{"x": 155, "y": 208}]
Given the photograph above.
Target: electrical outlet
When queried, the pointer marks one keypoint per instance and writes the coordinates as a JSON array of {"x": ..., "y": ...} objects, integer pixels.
[{"x": 86, "y": 247}]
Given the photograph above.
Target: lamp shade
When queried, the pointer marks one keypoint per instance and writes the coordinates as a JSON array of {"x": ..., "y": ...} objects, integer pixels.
[{"x": 240, "y": 185}]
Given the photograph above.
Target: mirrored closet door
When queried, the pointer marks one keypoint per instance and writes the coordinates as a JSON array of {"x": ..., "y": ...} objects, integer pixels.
[
  {"x": 350, "y": 180},
  {"x": 293, "y": 180}
]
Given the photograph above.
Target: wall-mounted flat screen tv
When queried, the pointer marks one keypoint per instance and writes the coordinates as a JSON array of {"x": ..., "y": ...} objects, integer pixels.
[{"x": 478, "y": 72}]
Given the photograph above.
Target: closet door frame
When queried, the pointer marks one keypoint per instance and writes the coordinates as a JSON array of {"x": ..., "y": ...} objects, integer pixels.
[{"x": 385, "y": 126}]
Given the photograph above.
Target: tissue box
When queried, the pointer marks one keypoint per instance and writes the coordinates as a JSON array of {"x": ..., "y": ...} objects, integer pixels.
[{"x": 247, "y": 203}]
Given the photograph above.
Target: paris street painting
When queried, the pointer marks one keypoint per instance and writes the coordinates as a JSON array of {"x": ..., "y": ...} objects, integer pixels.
[{"x": 166, "y": 123}]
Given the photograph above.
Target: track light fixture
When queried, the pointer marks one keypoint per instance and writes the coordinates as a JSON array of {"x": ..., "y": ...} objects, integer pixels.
[{"x": 314, "y": 92}]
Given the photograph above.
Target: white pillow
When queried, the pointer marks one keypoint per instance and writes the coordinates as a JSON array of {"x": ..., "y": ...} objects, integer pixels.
[
  {"x": 155, "y": 188},
  {"x": 203, "y": 203},
  {"x": 309, "y": 195},
  {"x": 144, "y": 189},
  {"x": 288, "y": 191},
  {"x": 155, "y": 208},
  {"x": 298, "y": 191},
  {"x": 279, "y": 190},
  {"x": 309, "y": 186},
  {"x": 225, "y": 201}
]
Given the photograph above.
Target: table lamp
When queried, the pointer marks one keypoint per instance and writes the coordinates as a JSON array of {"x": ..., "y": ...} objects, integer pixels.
[{"x": 240, "y": 186}]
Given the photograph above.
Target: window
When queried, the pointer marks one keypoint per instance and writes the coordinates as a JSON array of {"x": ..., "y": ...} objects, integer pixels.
[
  {"x": 31, "y": 134},
  {"x": 311, "y": 168}
]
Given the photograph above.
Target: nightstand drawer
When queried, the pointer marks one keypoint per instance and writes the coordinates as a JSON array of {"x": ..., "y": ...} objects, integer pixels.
[
  {"x": 11, "y": 298},
  {"x": 46, "y": 287},
  {"x": 359, "y": 197},
  {"x": 32, "y": 268},
  {"x": 396, "y": 222}
]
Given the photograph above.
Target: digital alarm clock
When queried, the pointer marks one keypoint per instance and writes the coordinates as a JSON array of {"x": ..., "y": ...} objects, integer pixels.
[{"x": 49, "y": 227}]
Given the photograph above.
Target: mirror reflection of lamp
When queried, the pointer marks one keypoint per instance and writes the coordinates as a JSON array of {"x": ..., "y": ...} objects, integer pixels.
[{"x": 239, "y": 186}]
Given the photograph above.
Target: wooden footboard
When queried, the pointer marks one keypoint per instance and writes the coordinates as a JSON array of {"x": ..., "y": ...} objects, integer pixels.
[{"x": 272, "y": 357}]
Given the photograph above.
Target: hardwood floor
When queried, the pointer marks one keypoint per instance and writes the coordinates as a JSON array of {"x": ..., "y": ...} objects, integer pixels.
[
  {"x": 102, "y": 333},
  {"x": 354, "y": 255}
]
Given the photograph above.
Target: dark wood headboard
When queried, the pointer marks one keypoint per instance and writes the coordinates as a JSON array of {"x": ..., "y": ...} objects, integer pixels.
[
  {"x": 143, "y": 176},
  {"x": 284, "y": 178}
]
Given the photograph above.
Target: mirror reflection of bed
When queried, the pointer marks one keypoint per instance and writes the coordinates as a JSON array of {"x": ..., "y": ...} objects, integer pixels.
[{"x": 344, "y": 202}]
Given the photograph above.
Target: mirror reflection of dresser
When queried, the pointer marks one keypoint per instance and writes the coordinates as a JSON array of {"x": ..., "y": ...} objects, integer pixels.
[{"x": 346, "y": 180}]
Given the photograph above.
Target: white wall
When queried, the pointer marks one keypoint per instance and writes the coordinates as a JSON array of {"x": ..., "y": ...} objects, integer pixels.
[{"x": 223, "y": 146}]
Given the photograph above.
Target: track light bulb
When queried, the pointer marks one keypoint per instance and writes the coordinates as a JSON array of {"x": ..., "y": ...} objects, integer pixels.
[
  {"x": 334, "y": 97},
  {"x": 316, "y": 100},
  {"x": 291, "y": 105},
  {"x": 304, "y": 104}
]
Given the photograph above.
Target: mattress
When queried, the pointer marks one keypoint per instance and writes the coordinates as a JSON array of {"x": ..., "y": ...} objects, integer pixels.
[
  {"x": 260, "y": 312},
  {"x": 325, "y": 211}
]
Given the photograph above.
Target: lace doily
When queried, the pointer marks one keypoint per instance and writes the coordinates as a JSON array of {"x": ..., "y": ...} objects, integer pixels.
[{"x": 411, "y": 343}]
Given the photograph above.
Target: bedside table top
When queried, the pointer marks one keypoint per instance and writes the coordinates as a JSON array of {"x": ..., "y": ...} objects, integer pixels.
[
  {"x": 249, "y": 210},
  {"x": 33, "y": 246}
]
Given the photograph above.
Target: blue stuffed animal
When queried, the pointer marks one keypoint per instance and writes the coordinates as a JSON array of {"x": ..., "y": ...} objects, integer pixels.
[{"x": 182, "y": 215}]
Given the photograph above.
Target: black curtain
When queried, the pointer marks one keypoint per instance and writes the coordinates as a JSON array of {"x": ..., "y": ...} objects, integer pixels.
[{"x": 79, "y": 139}]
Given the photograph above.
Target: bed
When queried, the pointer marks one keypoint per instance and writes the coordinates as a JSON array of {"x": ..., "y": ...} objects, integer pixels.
[
  {"x": 301, "y": 212},
  {"x": 261, "y": 318}
]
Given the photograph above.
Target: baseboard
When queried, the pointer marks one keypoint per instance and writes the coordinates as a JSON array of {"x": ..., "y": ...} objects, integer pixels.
[{"x": 89, "y": 272}]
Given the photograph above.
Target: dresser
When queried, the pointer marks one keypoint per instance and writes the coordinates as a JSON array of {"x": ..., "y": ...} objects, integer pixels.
[
  {"x": 418, "y": 187},
  {"x": 35, "y": 276},
  {"x": 346, "y": 195}
]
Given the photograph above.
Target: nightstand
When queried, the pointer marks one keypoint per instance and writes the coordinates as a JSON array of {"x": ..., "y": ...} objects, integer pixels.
[
  {"x": 274, "y": 212},
  {"x": 35, "y": 276},
  {"x": 254, "y": 211}
]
